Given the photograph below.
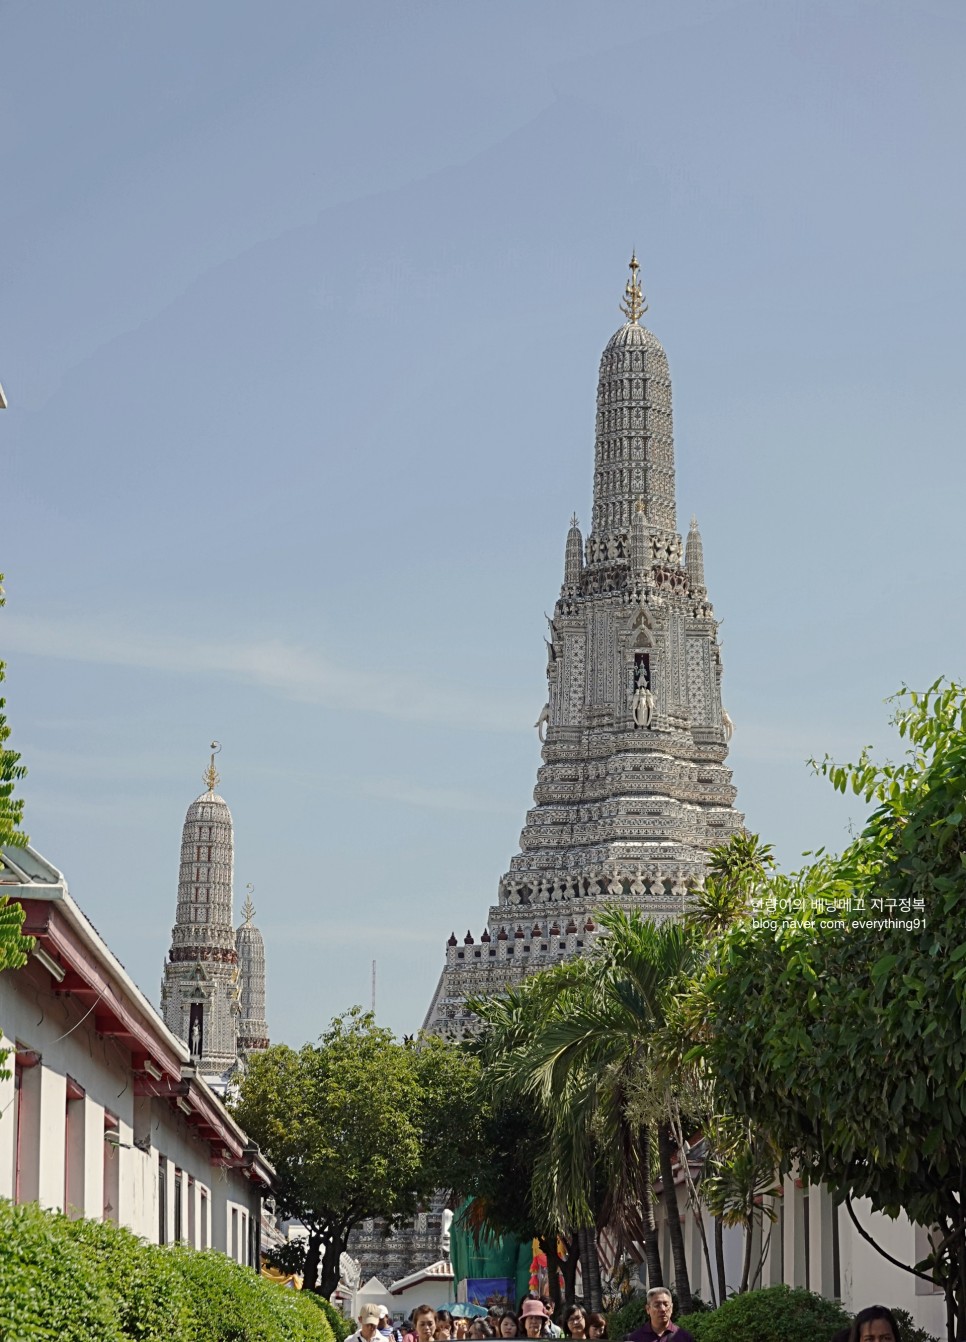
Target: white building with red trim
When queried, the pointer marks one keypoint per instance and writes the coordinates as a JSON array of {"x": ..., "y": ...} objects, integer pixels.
[{"x": 104, "y": 1114}]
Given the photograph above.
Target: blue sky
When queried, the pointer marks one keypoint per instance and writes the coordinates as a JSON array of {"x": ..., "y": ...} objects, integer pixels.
[{"x": 301, "y": 313}]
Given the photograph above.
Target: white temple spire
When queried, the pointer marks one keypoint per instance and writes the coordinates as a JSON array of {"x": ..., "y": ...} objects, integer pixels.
[{"x": 694, "y": 556}]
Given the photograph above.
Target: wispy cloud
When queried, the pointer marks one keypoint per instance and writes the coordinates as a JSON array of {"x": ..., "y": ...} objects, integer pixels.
[
  {"x": 289, "y": 670},
  {"x": 434, "y": 798}
]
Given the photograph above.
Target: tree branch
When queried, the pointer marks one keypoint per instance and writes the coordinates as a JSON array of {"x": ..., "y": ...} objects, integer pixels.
[{"x": 879, "y": 1249}]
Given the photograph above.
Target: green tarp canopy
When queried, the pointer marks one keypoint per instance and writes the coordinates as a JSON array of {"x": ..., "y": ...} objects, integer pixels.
[{"x": 484, "y": 1256}]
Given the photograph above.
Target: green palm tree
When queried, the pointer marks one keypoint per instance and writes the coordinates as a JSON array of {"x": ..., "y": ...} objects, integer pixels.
[
  {"x": 581, "y": 1040},
  {"x": 736, "y": 871}
]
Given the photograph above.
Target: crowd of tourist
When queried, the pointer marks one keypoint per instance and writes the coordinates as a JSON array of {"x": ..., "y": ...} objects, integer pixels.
[{"x": 535, "y": 1319}]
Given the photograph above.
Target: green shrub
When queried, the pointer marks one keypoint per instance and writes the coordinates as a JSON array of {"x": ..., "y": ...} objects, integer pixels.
[
  {"x": 233, "y": 1304},
  {"x": 83, "y": 1281},
  {"x": 147, "y": 1287},
  {"x": 908, "y": 1330},
  {"x": 776, "y": 1314},
  {"x": 47, "y": 1287},
  {"x": 631, "y": 1315},
  {"x": 340, "y": 1325}
]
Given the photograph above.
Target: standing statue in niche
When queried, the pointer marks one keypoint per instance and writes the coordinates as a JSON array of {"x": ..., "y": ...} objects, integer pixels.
[
  {"x": 195, "y": 1040},
  {"x": 642, "y": 705},
  {"x": 729, "y": 726},
  {"x": 542, "y": 722}
]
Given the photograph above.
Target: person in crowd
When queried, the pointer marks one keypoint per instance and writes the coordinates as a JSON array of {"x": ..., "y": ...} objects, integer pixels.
[
  {"x": 481, "y": 1330},
  {"x": 368, "y": 1324},
  {"x": 461, "y": 1328},
  {"x": 575, "y": 1323},
  {"x": 444, "y": 1325},
  {"x": 386, "y": 1330},
  {"x": 660, "y": 1307},
  {"x": 552, "y": 1329},
  {"x": 533, "y": 1316},
  {"x": 509, "y": 1325},
  {"x": 874, "y": 1324},
  {"x": 596, "y": 1326},
  {"x": 424, "y": 1324}
]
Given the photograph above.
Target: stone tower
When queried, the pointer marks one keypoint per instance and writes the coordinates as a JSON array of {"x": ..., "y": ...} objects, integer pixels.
[
  {"x": 200, "y": 989},
  {"x": 633, "y": 789},
  {"x": 252, "y": 1026}
]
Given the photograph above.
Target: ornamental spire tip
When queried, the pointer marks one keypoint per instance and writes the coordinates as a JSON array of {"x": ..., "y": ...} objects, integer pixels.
[
  {"x": 634, "y": 304},
  {"x": 211, "y": 775},
  {"x": 248, "y": 908}
]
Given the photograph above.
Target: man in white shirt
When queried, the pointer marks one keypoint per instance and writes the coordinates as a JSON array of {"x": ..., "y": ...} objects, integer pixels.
[{"x": 368, "y": 1324}]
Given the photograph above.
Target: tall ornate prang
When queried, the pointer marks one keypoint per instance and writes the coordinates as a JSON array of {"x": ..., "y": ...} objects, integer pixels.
[
  {"x": 633, "y": 790},
  {"x": 252, "y": 1027},
  {"x": 199, "y": 992}
]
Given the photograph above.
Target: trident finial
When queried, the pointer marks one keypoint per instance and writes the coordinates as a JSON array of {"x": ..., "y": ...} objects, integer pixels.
[
  {"x": 248, "y": 909},
  {"x": 633, "y": 302},
  {"x": 211, "y": 775},
  {"x": 633, "y": 305},
  {"x": 573, "y": 520}
]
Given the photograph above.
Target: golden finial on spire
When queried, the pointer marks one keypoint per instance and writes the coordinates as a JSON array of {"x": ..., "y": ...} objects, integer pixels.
[
  {"x": 211, "y": 775},
  {"x": 633, "y": 305},
  {"x": 248, "y": 910}
]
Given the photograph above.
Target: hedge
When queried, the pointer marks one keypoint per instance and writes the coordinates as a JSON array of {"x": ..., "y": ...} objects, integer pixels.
[
  {"x": 775, "y": 1314},
  {"x": 76, "y": 1281},
  {"x": 340, "y": 1325}
]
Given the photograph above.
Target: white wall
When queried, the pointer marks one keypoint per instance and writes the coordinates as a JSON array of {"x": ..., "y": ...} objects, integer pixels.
[
  {"x": 798, "y": 1257},
  {"x": 65, "y": 1162}
]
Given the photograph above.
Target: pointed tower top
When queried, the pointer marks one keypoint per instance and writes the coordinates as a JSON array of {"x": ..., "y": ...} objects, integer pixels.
[
  {"x": 574, "y": 523},
  {"x": 694, "y": 556},
  {"x": 248, "y": 908},
  {"x": 634, "y": 304},
  {"x": 211, "y": 775}
]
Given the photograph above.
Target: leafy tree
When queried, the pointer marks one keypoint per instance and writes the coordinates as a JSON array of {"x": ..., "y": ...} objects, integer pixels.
[
  {"x": 740, "y": 1164},
  {"x": 736, "y": 872},
  {"x": 357, "y": 1125},
  {"x": 13, "y": 947},
  {"x": 579, "y": 1040},
  {"x": 11, "y": 771},
  {"x": 846, "y": 1040}
]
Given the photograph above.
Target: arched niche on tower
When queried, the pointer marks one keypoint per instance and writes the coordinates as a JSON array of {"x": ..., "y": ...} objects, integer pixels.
[{"x": 638, "y": 650}]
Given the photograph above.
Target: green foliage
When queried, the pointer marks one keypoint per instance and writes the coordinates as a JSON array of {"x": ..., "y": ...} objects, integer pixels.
[
  {"x": 776, "y": 1314},
  {"x": 11, "y": 771},
  {"x": 47, "y": 1286},
  {"x": 631, "y": 1315},
  {"x": 845, "y": 1040},
  {"x": 340, "y": 1325},
  {"x": 154, "y": 1303},
  {"x": 357, "y": 1125},
  {"x": 13, "y": 947},
  {"x": 82, "y": 1280},
  {"x": 908, "y": 1331},
  {"x": 736, "y": 872}
]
